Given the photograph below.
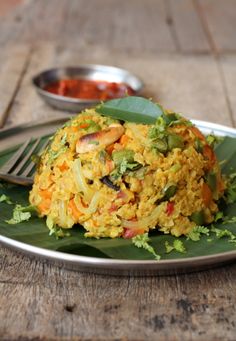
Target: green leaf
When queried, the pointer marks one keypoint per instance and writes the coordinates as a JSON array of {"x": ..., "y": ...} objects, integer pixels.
[
  {"x": 178, "y": 246},
  {"x": 4, "y": 198},
  {"x": 132, "y": 109},
  {"x": 20, "y": 214},
  {"x": 196, "y": 232},
  {"x": 143, "y": 241}
]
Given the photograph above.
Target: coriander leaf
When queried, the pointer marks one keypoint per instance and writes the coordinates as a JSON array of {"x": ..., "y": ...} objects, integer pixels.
[
  {"x": 231, "y": 189},
  {"x": 223, "y": 233},
  {"x": 212, "y": 140},
  {"x": 58, "y": 232},
  {"x": 169, "y": 247},
  {"x": 195, "y": 233},
  {"x": 177, "y": 246},
  {"x": 4, "y": 198},
  {"x": 227, "y": 220},
  {"x": 20, "y": 213},
  {"x": 54, "y": 230},
  {"x": 219, "y": 215},
  {"x": 142, "y": 240}
]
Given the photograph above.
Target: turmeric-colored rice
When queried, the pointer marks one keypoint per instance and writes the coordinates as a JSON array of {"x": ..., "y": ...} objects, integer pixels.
[{"x": 162, "y": 176}]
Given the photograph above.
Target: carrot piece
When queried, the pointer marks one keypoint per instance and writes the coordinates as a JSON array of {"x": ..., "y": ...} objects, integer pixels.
[
  {"x": 206, "y": 194},
  {"x": 110, "y": 148},
  {"x": 63, "y": 167},
  {"x": 109, "y": 165},
  {"x": 197, "y": 133},
  {"x": 74, "y": 210},
  {"x": 44, "y": 206},
  {"x": 74, "y": 129},
  {"x": 45, "y": 194},
  {"x": 124, "y": 139},
  {"x": 209, "y": 153},
  {"x": 131, "y": 232},
  {"x": 84, "y": 125}
]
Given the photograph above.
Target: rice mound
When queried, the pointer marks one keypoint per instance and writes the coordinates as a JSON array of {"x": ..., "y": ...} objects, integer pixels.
[{"x": 163, "y": 176}]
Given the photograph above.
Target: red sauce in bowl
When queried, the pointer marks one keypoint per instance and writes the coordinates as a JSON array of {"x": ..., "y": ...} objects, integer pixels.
[{"x": 89, "y": 89}]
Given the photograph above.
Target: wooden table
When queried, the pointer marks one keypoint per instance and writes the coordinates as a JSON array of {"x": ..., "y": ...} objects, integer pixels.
[{"x": 185, "y": 53}]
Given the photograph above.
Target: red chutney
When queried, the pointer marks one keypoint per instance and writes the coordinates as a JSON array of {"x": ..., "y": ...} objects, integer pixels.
[{"x": 89, "y": 89}]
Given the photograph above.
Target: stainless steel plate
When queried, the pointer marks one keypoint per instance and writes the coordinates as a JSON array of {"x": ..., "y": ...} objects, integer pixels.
[
  {"x": 8, "y": 138},
  {"x": 91, "y": 72}
]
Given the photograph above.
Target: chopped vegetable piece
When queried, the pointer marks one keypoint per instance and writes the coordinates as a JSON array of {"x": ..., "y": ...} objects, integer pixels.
[
  {"x": 142, "y": 241},
  {"x": 206, "y": 194},
  {"x": 195, "y": 233},
  {"x": 169, "y": 191},
  {"x": 170, "y": 208},
  {"x": 118, "y": 156},
  {"x": 21, "y": 213},
  {"x": 175, "y": 141},
  {"x": 106, "y": 181},
  {"x": 178, "y": 246},
  {"x": 198, "y": 218},
  {"x": 4, "y": 198}
]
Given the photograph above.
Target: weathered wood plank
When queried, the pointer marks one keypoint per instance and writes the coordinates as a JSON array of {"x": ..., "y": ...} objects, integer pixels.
[
  {"x": 7, "y": 6},
  {"x": 27, "y": 105},
  {"x": 101, "y": 23},
  {"x": 14, "y": 62},
  {"x": 220, "y": 17},
  {"x": 188, "y": 84},
  {"x": 68, "y": 304},
  {"x": 228, "y": 64},
  {"x": 188, "y": 27}
]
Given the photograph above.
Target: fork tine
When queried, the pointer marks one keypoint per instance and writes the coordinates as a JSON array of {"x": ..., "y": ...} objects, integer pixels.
[
  {"x": 13, "y": 160},
  {"x": 26, "y": 158},
  {"x": 29, "y": 168}
]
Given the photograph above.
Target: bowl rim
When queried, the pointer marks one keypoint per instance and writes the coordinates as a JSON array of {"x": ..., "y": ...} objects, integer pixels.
[{"x": 61, "y": 98}]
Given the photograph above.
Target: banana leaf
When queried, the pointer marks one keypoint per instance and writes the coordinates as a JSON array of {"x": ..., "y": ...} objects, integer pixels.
[{"x": 35, "y": 232}]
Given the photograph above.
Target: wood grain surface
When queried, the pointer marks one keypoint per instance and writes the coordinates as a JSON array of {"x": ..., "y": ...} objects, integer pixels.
[{"x": 185, "y": 53}]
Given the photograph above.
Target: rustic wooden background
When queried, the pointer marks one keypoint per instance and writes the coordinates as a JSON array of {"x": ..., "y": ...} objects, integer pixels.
[{"x": 185, "y": 52}]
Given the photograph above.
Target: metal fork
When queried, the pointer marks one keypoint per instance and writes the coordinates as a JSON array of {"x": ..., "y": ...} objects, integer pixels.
[{"x": 19, "y": 168}]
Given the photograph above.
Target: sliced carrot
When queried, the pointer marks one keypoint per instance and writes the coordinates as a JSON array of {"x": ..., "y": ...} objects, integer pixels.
[
  {"x": 74, "y": 210},
  {"x": 124, "y": 139},
  {"x": 44, "y": 206},
  {"x": 197, "y": 133},
  {"x": 84, "y": 125},
  {"x": 209, "y": 154},
  {"x": 132, "y": 232},
  {"x": 110, "y": 148},
  {"x": 45, "y": 194},
  {"x": 74, "y": 129},
  {"x": 63, "y": 167},
  {"x": 220, "y": 184},
  {"x": 206, "y": 194},
  {"x": 109, "y": 165}
]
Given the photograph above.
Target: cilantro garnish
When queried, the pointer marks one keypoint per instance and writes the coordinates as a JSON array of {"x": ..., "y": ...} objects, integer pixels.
[
  {"x": 231, "y": 189},
  {"x": 212, "y": 139},
  {"x": 142, "y": 240},
  {"x": 177, "y": 245},
  {"x": 54, "y": 230},
  {"x": 195, "y": 233},
  {"x": 4, "y": 198},
  {"x": 224, "y": 233},
  {"x": 21, "y": 213}
]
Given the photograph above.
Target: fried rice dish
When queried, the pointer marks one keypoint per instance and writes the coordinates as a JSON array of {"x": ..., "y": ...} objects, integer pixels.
[{"x": 121, "y": 179}]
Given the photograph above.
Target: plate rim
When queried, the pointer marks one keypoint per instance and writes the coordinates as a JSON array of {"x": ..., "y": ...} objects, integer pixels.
[{"x": 96, "y": 264}]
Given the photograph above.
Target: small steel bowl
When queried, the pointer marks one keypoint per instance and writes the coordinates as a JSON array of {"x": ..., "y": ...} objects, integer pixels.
[{"x": 90, "y": 72}]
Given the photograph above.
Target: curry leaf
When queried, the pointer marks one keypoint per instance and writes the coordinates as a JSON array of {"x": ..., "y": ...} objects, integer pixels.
[{"x": 132, "y": 109}]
